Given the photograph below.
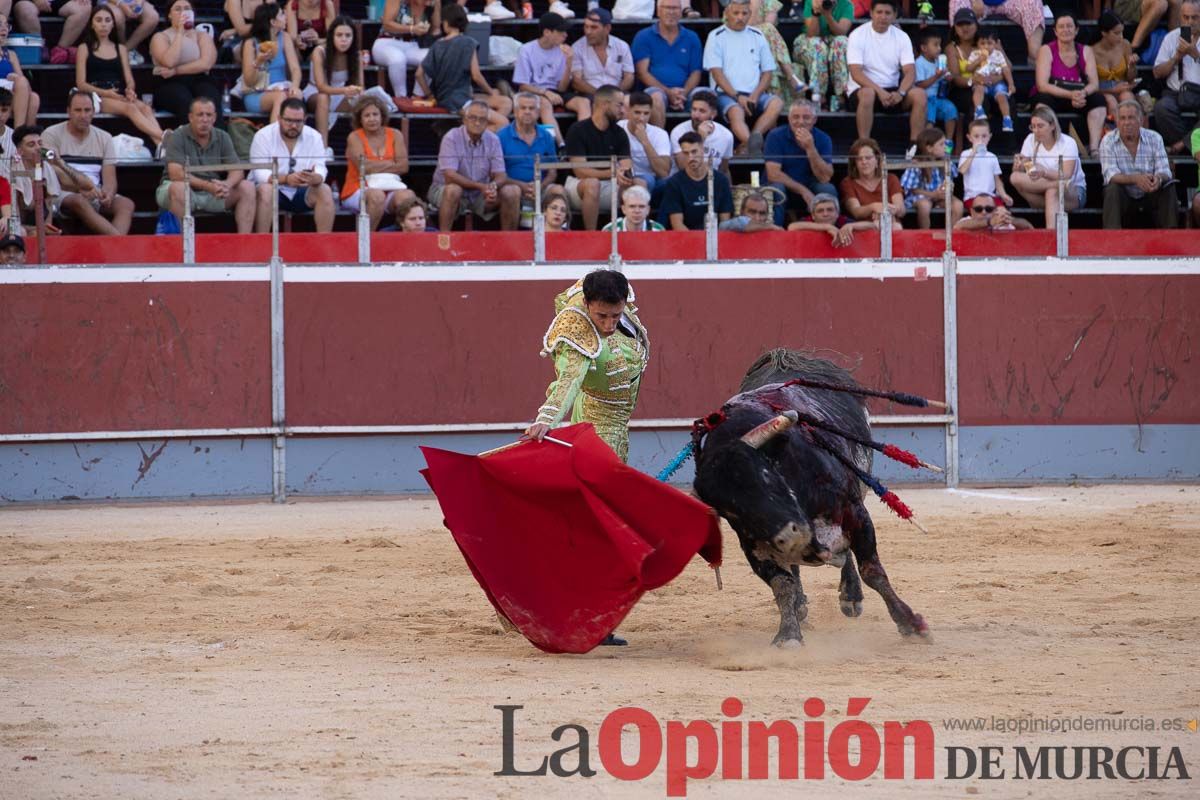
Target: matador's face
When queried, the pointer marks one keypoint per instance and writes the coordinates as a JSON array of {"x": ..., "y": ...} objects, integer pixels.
[{"x": 605, "y": 316}]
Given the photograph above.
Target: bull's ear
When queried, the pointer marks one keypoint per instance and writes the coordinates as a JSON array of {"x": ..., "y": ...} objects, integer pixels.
[{"x": 760, "y": 435}]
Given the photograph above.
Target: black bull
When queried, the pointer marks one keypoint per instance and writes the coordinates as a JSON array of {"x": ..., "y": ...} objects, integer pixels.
[{"x": 790, "y": 500}]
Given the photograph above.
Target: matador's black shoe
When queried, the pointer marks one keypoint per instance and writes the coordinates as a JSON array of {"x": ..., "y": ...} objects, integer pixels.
[{"x": 613, "y": 640}]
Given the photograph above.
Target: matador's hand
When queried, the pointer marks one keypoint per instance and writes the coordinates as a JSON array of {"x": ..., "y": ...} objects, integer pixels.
[{"x": 537, "y": 431}]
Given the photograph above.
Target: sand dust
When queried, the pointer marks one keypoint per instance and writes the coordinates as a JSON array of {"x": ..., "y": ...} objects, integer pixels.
[{"x": 341, "y": 649}]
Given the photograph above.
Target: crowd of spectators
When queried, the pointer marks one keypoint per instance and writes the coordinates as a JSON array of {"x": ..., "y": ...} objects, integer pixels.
[{"x": 747, "y": 95}]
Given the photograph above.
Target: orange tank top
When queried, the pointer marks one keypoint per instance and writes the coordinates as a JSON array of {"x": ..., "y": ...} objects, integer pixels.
[{"x": 388, "y": 154}]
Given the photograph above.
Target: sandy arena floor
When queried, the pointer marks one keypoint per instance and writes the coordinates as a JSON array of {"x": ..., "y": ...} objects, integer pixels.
[{"x": 341, "y": 649}]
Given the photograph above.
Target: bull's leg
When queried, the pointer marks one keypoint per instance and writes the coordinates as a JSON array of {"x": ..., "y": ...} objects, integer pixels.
[
  {"x": 850, "y": 590},
  {"x": 789, "y": 597},
  {"x": 799, "y": 599},
  {"x": 862, "y": 542}
]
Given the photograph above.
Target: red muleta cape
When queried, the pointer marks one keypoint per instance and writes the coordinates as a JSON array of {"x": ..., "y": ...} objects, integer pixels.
[{"x": 565, "y": 540}]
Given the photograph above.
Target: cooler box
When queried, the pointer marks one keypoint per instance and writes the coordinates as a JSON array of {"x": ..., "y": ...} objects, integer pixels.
[
  {"x": 27, "y": 47},
  {"x": 480, "y": 32}
]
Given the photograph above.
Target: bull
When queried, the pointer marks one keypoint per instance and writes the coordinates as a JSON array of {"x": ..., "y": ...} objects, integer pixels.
[{"x": 788, "y": 492}]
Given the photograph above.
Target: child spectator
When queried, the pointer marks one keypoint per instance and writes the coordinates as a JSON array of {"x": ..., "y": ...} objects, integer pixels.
[
  {"x": 980, "y": 168},
  {"x": 335, "y": 74},
  {"x": 102, "y": 68},
  {"x": 993, "y": 77},
  {"x": 923, "y": 186},
  {"x": 931, "y": 76},
  {"x": 23, "y": 100},
  {"x": 452, "y": 64}
]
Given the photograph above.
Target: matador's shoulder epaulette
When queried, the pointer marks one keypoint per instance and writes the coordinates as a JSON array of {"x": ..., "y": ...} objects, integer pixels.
[{"x": 572, "y": 327}]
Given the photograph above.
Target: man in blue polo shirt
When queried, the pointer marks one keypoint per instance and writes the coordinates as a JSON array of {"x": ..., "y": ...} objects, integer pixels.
[
  {"x": 799, "y": 159},
  {"x": 668, "y": 60},
  {"x": 522, "y": 142}
]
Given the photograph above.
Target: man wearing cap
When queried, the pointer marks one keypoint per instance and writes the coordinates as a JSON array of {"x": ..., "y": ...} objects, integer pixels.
[
  {"x": 544, "y": 67},
  {"x": 600, "y": 58},
  {"x": 12, "y": 250},
  {"x": 740, "y": 67},
  {"x": 668, "y": 60}
]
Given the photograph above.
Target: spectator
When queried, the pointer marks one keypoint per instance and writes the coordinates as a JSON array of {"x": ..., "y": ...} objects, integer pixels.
[
  {"x": 102, "y": 68},
  {"x": 12, "y": 250},
  {"x": 964, "y": 40},
  {"x": 308, "y": 23},
  {"x": 544, "y": 68},
  {"x": 7, "y": 151},
  {"x": 635, "y": 210},
  {"x": 523, "y": 143},
  {"x": 799, "y": 159},
  {"x": 404, "y": 27},
  {"x": 991, "y": 67},
  {"x": 87, "y": 160},
  {"x": 75, "y": 16},
  {"x": 556, "y": 213},
  {"x": 1196, "y": 197},
  {"x": 1066, "y": 80},
  {"x": 5, "y": 204},
  {"x": 932, "y": 78},
  {"x": 1116, "y": 63},
  {"x": 882, "y": 75},
  {"x": 27, "y": 140},
  {"x": 668, "y": 61},
  {"x": 24, "y": 100},
  {"x": 411, "y": 216},
  {"x": 987, "y": 213},
  {"x": 1036, "y": 169},
  {"x": 385, "y": 156},
  {"x": 335, "y": 74},
  {"x": 827, "y": 216},
  {"x": 785, "y": 83},
  {"x": 685, "y": 196},
  {"x": 1138, "y": 188},
  {"x": 239, "y": 14},
  {"x": 470, "y": 174},
  {"x": 863, "y": 190},
  {"x": 1145, "y": 14},
  {"x": 451, "y": 65},
  {"x": 1178, "y": 63},
  {"x": 740, "y": 68},
  {"x": 600, "y": 59},
  {"x": 182, "y": 56},
  {"x": 1026, "y": 13},
  {"x": 270, "y": 66},
  {"x": 293, "y": 151},
  {"x": 755, "y": 216},
  {"x": 598, "y": 139},
  {"x": 649, "y": 145},
  {"x": 200, "y": 144},
  {"x": 980, "y": 168},
  {"x": 924, "y": 186},
  {"x": 146, "y": 17},
  {"x": 717, "y": 139},
  {"x": 821, "y": 49}
]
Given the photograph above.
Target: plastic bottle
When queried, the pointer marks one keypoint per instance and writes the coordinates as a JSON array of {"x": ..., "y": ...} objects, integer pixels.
[{"x": 226, "y": 103}]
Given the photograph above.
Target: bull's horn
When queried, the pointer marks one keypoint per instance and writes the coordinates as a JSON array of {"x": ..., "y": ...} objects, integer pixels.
[{"x": 760, "y": 435}]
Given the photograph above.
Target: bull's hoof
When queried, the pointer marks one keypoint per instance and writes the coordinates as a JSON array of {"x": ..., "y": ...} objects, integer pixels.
[
  {"x": 788, "y": 638},
  {"x": 612, "y": 640},
  {"x": 918, "y": 628},
  {"x": 851, "y": 608},
  {"x": 788, "y": 643}
]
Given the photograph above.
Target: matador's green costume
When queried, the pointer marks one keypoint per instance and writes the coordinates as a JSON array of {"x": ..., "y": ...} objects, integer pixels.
[{"x": 598, "y": 378}]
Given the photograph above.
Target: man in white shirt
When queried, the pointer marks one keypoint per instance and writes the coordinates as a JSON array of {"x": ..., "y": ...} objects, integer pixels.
[
  {"x": 740, "y": 67},
  {"x": 717, "y": 139},
  {"x": 882, "y": 73},
  {"x": 87, "y": 162},
  {"x": 296, "y": 153},
  {"x": 601, "y": 59},
  {"x": 649, "y": 145},
  {"x": 1178, "y": 62}
]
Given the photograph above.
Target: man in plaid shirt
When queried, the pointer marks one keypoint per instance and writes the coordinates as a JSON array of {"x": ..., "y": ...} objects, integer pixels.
[{"x": 1138, "y": 189}]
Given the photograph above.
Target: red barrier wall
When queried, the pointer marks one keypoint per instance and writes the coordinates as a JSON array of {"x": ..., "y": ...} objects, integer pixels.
[
  {"x": 1033, "y": 349},
  {"x": 342, "y": 248},
  {"x": 130, "y": 356}
]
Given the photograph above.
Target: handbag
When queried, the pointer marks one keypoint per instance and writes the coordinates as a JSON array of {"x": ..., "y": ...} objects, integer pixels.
[
  {"x": 1070, "y": 86},
  {"x": 1189, "y": 96},
  {"x": 386, "y": 181}
]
